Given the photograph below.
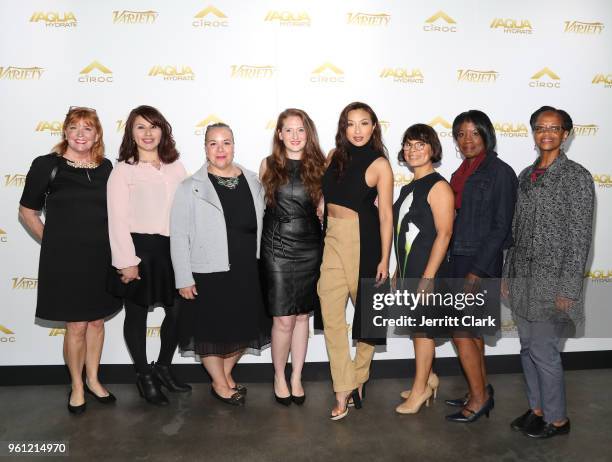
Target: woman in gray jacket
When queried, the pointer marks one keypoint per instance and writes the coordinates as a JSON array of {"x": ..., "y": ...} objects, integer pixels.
[
  {"x": 544, "y": 271},
  {"x": 215, "y": 230}
]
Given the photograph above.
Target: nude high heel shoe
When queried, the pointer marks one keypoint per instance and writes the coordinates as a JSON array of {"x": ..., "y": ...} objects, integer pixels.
[
  {"x": 413, "y": 404},
  {"x": 433, "y": 382}
]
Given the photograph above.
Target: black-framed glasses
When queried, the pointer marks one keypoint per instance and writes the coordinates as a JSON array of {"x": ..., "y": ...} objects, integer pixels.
[{"x": 417, "y": 146}]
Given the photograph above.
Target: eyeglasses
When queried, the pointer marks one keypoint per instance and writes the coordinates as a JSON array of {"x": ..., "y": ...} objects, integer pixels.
[
  {"x": 80, "y": 108},
  {"x": 418, "y": 146},
  {"x": 552, "y": 129}
]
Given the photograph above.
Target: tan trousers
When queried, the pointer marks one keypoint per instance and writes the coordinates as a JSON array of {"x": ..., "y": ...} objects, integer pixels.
[{"x": 338, "y": 281}]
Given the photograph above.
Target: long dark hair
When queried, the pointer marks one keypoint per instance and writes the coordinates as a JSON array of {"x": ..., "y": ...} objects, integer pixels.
[
  {"x": 313, "y": 160},
  {"x": 343, "y": 144},
  {"x": 128, "y": 151}
]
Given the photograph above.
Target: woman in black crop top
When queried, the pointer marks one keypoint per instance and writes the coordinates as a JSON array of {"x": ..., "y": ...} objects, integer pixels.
[
  {"x": 358, "y": 193},
  {"x": 422, "y": 227}
]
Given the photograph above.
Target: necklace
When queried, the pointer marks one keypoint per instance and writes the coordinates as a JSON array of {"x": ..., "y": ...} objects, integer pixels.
[
  {"x": 228, "y": 182},
  {"x": 81, "y": 164}
]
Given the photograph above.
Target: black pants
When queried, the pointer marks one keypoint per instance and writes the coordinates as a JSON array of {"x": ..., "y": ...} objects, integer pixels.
[{"x": 135, "y": 334}]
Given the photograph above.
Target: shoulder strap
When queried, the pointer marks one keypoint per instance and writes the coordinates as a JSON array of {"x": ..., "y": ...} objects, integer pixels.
[{"x": 53, "y": 174}]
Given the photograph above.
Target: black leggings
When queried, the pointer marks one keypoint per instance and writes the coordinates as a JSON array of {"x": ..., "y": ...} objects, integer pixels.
[{"x": 135, "y": 334}]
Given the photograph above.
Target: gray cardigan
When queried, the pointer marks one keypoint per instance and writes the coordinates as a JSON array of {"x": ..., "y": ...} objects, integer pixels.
[
  {"x": 552, "y": 231},
  {"x": 198, "y": 235}
]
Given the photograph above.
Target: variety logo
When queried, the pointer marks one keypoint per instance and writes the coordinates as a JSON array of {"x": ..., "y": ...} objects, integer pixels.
[
  {"x": 120, "y": 125},
  {"x": 153, "y": 332},
  {"x": 243, "y": 71},
  {"x": 3, "y": 235},
  {"x": 368, "y": 19},
  {"x": 470, "y": 75},
  {"x": 102, "y": 75},
  {"x": 8, "y": 336},
  {"x": 442, "y": 127},
  {"x": 17, "y": 180},
  {"x": 210, "y": 17},
  {"x": 585, "y": 130},
  {"x": 605, "y": 80},
  {"x": 287, "y": 18},
  {"x": 55, "y": 19},
  {"x": 603, "y": 180},
  {"x": 172, "y": 72},
  {"x": 599, "y": 275},
  {"x": 54, "y": 332},
  {"x": 134, "y": 17},
  {"x": 578, "y": 27},
  {"x": 512, "y": 26},
  {"x": 384, "y": 125},
  {"x": 511, "y": 130},
  {"x": 25, "y": 283},
  {"x": 402, "y": 75},
  {"x": 20, "y": 73},
  {"x": 447, "y": 23},
  {"x": 399, "y": 179},
  {"x": 327, "y": 73},
  {"x": 552, "y": 80},
  {"x": 201, "y": 126},
  {"x": 53, "y": 128}
]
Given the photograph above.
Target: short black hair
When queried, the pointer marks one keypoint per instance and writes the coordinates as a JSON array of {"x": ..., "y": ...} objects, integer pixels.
[
  {"x": 483, "y": 126},
  {"x": 566, "y": 120},
  {"x": 423, "y": 133}
]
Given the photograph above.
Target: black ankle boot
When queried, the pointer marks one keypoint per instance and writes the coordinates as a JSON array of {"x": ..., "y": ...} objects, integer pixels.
[
  {"x": 149, "y": 389},
  {"x": 165, "y": 377}
]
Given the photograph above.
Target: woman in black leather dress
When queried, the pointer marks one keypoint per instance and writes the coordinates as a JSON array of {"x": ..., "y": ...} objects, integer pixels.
[{"x": 291, "y": 244}]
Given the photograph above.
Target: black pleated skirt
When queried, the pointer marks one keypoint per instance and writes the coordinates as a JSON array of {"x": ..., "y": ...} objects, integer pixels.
[{"x": 156, "y": 285}]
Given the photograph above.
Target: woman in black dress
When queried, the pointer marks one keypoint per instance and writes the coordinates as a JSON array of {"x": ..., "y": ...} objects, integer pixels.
[
  {"x": 291, "y": 244},
  {"x": 215, "y": 230},
  {"x": 70, "y": 184},
  {"x": 423, "y": 223}
]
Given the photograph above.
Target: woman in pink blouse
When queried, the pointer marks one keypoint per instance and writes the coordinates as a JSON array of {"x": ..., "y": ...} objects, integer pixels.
[{"x": 140, "y": 193}]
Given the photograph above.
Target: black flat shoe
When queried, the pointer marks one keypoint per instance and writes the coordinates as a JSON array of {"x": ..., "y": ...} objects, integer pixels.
[
  {"x": 165, "y": 377},
  {"x": 235, "y": 400},
  {"x": 76, "y": 410},
  {"x": 240, "y": 389},
  {"x": 299, "y": 400},
  {"x": 108, "y": 399},
  {"x": 525, "y": 421},
  {"x": 548, "y": 430},
  {"x": 473, "y": 415},
  {"x": 148, "y": 388}
]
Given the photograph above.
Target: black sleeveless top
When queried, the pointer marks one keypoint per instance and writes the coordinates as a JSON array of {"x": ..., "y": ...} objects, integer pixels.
[
  {"x": 352, "y": 191},
  {"x": 414, "y": 230}
]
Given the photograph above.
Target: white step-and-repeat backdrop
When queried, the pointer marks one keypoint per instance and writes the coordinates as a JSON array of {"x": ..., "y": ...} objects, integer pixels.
[{"x": 242, "y": 62}]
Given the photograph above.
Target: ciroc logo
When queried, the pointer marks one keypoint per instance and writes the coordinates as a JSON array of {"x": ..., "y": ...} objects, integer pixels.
[
  {"x": 55, "y": 19},
  {"x": 470, "y": 75},
  {"x": 447, "y": 23},
  {"x": 327, "y": 73},
  {"x": 201, "y": 126},
  {"x": 602, "y": 180},
  {"x": 402, "y": 75},
  {"x": 244, "y": 71},
  {"x": 578, "y": 27},
  {"x": 153, "y": 332},
  {"x": 103, "y": 74},
  {"x": 511, "y": 130},
  {"x": 368, "y": 19},
  {"x": 8, "y": 336},
  {"x": 585, "y": 130},
  {"x": 17, "y": 180},
  {"x": 399, "y": 179},
  {"x": 287, "y": 18},
  {"x": 20, "y": 73},
  {"x": 599, "y": 275},
  {"x": 134, "y": 17},
  {"x": 3, "y": 235},
  {"x": 442, "y": 127},
  {"x": 605, "y": 80},
  {"x": 552, "y": 81},
  {"x": 51, "y": 127},
  {"x": 512, "y": 26},
  {"x": 25, "y": 283},
  {"x": 172, "y": 72},
  {"x": 210, "y": 17}
]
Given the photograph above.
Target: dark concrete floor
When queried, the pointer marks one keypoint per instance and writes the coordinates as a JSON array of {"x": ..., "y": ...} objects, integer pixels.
[{"x": 197, "y": 427}]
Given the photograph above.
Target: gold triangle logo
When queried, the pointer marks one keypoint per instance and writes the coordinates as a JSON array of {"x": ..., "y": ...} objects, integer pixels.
[
  {"x": 208, "y": 10},
  {"x": 330, "y": 66},
  {"x": 441, "y": 15},
  {"x": 545, "y": 71},
  {"x": 2, "y": 231},
  {"x": 439, "y": 121},
  {"x": 211, "y": 119},
  {"x": 96, "y": 65},
  {"x": 6, "y": 330}
]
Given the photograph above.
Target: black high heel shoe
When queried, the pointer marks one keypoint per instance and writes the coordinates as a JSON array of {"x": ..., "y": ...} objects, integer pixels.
[
  {"x": 461, "y": 402},
  {"x": 363, "y": 394},
  {"x": 76, "y": 410},
  {"x": 473, "y": 415},
  {"x": 108, "y": 399},
  {"x": 353, "y": 395},
  {"x": 299, "y": 400},
  {"x": 286, "y": 401},
  {"x": 149, "y": 389},
  {"x": 165, "y": 377}
]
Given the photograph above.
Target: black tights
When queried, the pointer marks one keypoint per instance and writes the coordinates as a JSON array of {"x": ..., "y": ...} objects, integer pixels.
[{"x": 135, "y": 334}]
